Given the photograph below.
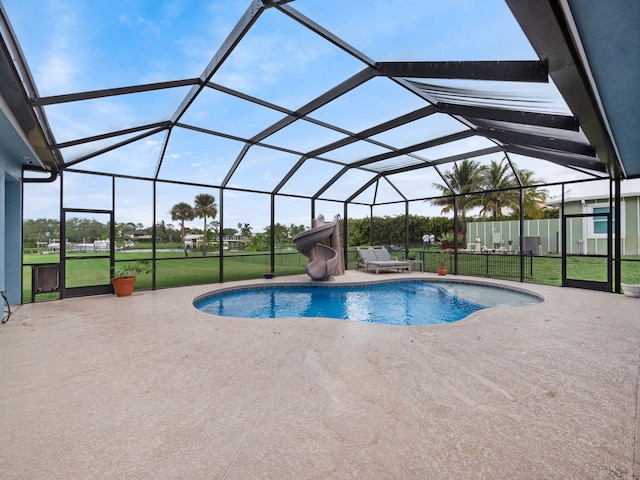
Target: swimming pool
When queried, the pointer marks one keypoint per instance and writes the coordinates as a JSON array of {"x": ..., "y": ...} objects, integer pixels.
[{"x": 400, "y": 302}]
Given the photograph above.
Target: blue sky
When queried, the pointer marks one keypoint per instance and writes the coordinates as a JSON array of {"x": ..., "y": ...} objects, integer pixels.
[{"x": 77, "y": 45}]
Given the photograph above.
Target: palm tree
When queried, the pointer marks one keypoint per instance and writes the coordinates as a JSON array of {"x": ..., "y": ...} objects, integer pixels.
[
  {"x": 245, "y": 229},
  {"x": 534, "y": 198},
  {"x": 499, "y": 184},
  {"x": 464, "y": 181},
  {"x": 182, "y": 211},
  {"x": 205, "y": 206}
]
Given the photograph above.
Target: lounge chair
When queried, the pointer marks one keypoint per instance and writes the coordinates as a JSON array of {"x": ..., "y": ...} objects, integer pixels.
[{"x": 380, "y": 258}]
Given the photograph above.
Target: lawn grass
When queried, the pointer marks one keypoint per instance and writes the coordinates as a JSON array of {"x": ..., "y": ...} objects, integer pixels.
[
  {"x": 173, "y": 269},
  {"x": 545, "y": 270}
]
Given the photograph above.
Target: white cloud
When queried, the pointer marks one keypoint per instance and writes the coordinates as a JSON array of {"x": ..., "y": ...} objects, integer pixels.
[
  {"x": 58, "y": 63},
  {"x": 57, "y": 73}
]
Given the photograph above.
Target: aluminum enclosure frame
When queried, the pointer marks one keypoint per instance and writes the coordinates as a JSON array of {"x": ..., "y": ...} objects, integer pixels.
[{"x": 545, "y": 24}]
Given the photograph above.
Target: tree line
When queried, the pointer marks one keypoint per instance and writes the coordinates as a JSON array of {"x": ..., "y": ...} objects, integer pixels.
[{"x": 386, "y": 230}]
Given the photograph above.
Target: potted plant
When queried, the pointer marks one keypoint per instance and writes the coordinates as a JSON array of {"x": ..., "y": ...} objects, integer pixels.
[
  {"x": 442, "y": 267},
  {"x": 125, "y": 276}
]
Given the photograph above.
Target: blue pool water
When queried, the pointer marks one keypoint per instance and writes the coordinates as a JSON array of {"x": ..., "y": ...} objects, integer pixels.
[{"x": 396, "y": 303}]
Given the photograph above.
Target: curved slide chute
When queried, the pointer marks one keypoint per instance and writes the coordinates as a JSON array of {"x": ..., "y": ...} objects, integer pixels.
[{"x": 321, "y": 244}]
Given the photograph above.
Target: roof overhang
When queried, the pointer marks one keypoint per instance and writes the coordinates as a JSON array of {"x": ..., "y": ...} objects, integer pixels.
[
  {"x": 558, "y": 31},
  {"x": 21, "y": 131},
  {"x": 13, "y": 139}
]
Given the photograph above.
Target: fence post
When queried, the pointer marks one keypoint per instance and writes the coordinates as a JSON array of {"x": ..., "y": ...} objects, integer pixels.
[{"x": 531, "y": 266}]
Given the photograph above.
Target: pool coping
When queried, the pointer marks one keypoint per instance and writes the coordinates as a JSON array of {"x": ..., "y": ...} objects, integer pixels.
[
  {"x": 258, "y": 286},
  {"x": 378, "y": 282}
]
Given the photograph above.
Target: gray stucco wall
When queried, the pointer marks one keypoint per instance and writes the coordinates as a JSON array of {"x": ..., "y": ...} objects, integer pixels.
[{"x": 10, "y": 227}]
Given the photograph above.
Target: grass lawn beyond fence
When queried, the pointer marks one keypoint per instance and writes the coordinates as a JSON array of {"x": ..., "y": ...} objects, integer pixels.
[{"x": 174, "y": 270}]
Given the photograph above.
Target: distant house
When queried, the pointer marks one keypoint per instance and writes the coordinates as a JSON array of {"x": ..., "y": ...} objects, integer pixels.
[
  {"x": 54, "y": 245},
  {"x": 102, "y": 245},
  {"x": 586, "y": 231},
  {"x": 139, "y": 235},
  {"x": 234, "y": 242},
  {"x": 591, "y": 199},
  {"x": 229, "y": 242},
  {"x": 192, "y": 240}
]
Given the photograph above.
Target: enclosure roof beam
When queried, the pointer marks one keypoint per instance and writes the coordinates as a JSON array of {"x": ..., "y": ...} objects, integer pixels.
[
  {"x": 241, "y": 28},
  {"x": 161, "y": 154},
  {"x": 330, "y": 95},
  {"x": 413, "y": 148},
  {"x": 504, "y": 71},
  {"x": 443, "y": 160},
  {"x": 560, "y": 158},
  {"x": 363, "y": 135},
  {"x": 363, "y": 188},
  {"x": 326, "y": 34},
  {"x": 289, "y": 174},
  {"x": 527, "y": 139},
  {"x": 333, "y": 179},
  {"x": 111, "y": 92},
  {"x": 236, "y": 164},
  {"x": 350, "y": 137},
  {"x": 115, "y": 146},
  {"x": 113, "y": 134},
  {"x": 370, "y": 132},
  {"x": 563, "y": 122}
]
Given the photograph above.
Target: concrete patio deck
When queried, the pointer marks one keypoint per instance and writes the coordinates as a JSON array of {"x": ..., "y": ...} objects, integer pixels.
[{"x": 148, "y": 387}]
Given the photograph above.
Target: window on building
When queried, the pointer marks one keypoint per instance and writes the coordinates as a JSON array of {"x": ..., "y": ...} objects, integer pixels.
[{"x": 600, "y": 223}]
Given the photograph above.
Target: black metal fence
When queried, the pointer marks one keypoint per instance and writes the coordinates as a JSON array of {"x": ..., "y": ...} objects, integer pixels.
[
  {"x": 482, "y": 264},
  {"x": 495, "y": 265}
]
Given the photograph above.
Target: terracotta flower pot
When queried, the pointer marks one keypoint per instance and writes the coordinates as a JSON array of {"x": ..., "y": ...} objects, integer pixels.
[
  {"x": 123, "y": 286},
  {"x": 442, "y": 270}
]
